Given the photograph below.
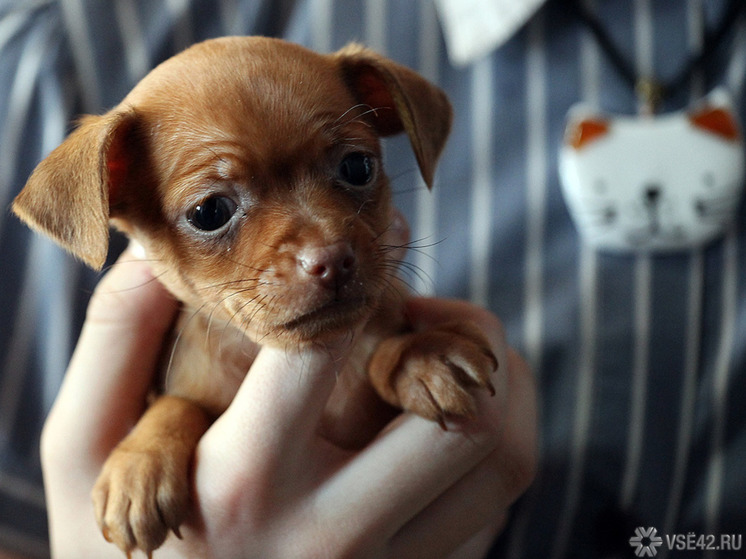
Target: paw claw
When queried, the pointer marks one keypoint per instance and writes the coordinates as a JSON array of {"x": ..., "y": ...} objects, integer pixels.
[
  {"x": 491, "y": 388},
  {"x": 493, "y": 359},
  {"x": 435, "y": 411}
]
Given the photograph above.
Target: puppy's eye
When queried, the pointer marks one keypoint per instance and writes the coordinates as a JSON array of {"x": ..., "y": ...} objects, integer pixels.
[
  {"x": 356, "y": 169},
  {"x": 212, "y": 213}
]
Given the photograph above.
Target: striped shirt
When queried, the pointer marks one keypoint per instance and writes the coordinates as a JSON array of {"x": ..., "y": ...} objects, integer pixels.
[{"x": 641, "y": 359}]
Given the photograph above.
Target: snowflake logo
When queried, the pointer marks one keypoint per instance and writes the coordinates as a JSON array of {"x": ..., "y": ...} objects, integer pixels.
[{"x": 646, "y": 542}]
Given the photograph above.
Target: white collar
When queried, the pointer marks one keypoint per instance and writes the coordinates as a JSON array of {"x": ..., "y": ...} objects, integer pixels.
[{"x": 474, "y": 28}]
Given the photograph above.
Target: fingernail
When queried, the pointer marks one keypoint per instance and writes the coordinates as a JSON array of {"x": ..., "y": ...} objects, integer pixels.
[
  {"x": 137, "y": 250},
  {"x": 400, "y": 226}
]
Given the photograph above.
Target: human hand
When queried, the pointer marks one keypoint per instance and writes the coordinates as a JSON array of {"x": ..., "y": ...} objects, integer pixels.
[
  {"x": 102, "y": 396},
  {"x": 266, "y": 484}
]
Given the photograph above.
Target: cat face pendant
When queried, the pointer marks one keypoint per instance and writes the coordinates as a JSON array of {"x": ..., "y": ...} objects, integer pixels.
[{"x": 653, "y": 184}]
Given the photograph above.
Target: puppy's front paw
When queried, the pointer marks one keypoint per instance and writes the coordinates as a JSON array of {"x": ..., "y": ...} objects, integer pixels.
[
  {"x": 143, "y": 489},
  {"x": 429, "y": 373},
  {"x": 140, "y": 495}
]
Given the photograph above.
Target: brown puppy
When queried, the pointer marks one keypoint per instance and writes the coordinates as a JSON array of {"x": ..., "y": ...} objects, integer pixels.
[{"x": 250, "y": 171}]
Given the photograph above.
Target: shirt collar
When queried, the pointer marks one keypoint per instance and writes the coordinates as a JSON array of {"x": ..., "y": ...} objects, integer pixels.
[{"x": 474, "y": 28}]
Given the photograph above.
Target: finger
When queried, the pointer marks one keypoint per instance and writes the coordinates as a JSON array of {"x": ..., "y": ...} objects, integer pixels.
[
  {"x": 477, "y": 546},
  {"x": 276, "y": 412},
  {"x": 116, "y": 356},
  {"x": 415, "y": 463},
  {"x": 477, "y": 502},
  {"x": 403, "y": 471},
  {"x": 469, "y": 508}
]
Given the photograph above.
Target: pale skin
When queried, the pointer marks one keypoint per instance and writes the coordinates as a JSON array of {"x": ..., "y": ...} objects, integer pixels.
[{"x": 266, "y": 483}]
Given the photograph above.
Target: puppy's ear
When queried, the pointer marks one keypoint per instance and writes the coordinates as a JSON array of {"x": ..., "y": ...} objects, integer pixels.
[
  {"x": 69, "y": 194},
  {"x": 401, "y": 100}
]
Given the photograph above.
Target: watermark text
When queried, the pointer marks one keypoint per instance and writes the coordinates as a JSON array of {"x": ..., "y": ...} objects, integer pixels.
[{"x": 646, "y": 542}]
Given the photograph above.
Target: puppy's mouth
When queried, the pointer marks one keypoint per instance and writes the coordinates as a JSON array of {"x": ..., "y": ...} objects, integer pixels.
[{"x": 331, "y": 316}]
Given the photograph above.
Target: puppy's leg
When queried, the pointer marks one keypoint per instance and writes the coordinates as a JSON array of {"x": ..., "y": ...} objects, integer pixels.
[
  {"x": 429, "y": 373},
  {"x": 144, "y": 487}
]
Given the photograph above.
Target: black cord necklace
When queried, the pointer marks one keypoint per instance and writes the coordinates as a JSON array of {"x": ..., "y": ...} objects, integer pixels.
[{"x": 651, "y": 91}]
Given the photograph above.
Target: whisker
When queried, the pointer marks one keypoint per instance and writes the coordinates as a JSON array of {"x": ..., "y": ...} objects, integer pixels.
[
  {"x": 227, "y": 283},
  {"x": 348, "y": 111},
  {"x": 239, "y": 328}
]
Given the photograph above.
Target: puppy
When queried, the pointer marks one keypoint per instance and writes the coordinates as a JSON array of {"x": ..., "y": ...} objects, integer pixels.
[{"x": 250, "y": 171}]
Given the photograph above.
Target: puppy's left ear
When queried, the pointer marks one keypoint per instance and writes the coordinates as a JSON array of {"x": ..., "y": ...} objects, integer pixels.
[{"x": 401, "y": 100}]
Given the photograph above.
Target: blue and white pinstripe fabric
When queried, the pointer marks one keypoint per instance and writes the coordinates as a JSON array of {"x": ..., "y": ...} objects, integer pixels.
[{"x": 641, "y": 359}]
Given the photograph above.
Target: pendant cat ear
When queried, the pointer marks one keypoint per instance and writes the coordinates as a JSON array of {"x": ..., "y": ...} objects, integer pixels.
[
  {"x": 716, "y": 121},
  {"x": 581, "y": 132},
  {"x": 715, "y": 116}
]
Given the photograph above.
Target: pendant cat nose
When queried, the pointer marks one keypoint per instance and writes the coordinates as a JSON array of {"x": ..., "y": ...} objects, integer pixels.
[
  {"x": 331, "y": 265},
  {"x": 652, "y": 194}
]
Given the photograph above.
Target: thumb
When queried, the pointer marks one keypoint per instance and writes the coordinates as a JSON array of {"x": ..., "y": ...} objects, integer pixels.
[
  {"x": 286, "y": 390},
  {"x": 115, "y": 359},
  {"x": 275, "y": 416}
]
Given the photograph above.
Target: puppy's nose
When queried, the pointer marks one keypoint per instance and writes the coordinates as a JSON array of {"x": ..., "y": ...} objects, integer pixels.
[{"x": 331, "y": 265}]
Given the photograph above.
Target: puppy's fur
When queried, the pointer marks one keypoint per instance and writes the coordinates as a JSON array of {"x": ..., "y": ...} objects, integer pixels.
[{"x": 250, "y": 171}]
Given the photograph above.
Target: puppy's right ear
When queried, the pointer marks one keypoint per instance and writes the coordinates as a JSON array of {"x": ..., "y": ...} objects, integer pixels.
[
  {"x": 401, "y": 101},
  {"x": 69, "y": 194}
]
